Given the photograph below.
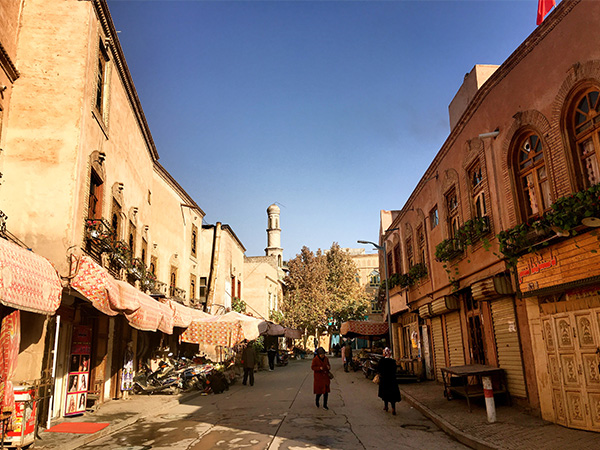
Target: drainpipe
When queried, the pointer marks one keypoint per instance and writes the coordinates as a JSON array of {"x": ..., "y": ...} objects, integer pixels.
[{"x": 214, "y": 267}]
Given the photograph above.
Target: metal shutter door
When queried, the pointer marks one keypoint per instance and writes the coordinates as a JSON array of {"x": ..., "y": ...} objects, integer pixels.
[
  {"x": 455, "y": 343},
  {"x": 438, "y": 346},
  {"x": 508, "y": 345}
]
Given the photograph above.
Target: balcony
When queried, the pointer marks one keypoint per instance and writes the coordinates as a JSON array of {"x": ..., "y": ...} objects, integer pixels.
[
  {"x": 137, "y": 269},
  {"x": 178, "y": 295},
  {"x": 159, "y": 288},
  {"x": 448, "y": 249},
  {"x": 98, "y": 239}
]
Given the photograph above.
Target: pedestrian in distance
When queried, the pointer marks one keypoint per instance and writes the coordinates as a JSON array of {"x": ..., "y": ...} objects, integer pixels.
[
  {"x": 248, "y": 361},
  {"x": 388, "y": 385},
  {"x": 347, "y": 357},
  {"x": 271, "y": 354},
  {"x": 321, "y": 385}
]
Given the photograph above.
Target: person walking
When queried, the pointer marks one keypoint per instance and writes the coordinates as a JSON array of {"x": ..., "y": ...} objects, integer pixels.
[
  {"x": 388, "y": 385},
  {"x": 347, "y": 357},
  {"x": 248, "y": 361},
  {"x": 271, "y": 354},
  {"x": 321, "y": 384}
]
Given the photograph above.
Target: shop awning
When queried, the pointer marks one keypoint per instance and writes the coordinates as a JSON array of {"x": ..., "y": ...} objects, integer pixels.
[
  {"x": 148, "y": 317},
  {"x": 274, "y": 329},
  {"x": 167, "y": 318},
  {"x": 27, "y": 281},
  {"x": 182, "y": 315},
  {"x": 292, "y": 333},
  {"x": 355, "y": 328},
  {"x": 226, "y": 330},
  {"x": 101, "y": 289}
]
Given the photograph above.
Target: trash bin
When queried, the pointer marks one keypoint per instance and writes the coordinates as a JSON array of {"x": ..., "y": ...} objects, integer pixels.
[{"x": 25, "y": 417}]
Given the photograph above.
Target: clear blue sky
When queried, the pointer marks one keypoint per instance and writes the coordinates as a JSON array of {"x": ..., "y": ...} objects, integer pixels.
[{"x": 333, "y": 109}]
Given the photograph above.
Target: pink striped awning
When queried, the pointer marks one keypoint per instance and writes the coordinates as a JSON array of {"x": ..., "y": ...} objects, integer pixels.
[
  {"x": 182, "y": 314},
  {"x": 355, "y": 328},
  {"x": 96, "y": 284},
  {"x": 129, "y": 297},
  {"x": 148, "y": 316},
  {"x": 27, "y": 281},
  {"x": 167, "y": 319}
]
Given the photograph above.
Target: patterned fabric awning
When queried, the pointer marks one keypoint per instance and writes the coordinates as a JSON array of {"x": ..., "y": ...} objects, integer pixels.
[
  {"x": 148, "y": 317},
  {"x": 129, "y": 297},
  {"x": 182, "y": 314},
  {"x": 95, "y": 283},
  {"x": 27, "y": 281},
  {"x": 212, "y": 332},
  {"x": 355, "y": 328},
  {"x": 226, "y": 330},
  {"x": 274, "y": 329},
  {"x": 167, "y": 319}
]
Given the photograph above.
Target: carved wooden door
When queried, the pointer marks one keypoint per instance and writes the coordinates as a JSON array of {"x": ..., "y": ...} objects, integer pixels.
[{"x": 573, "y": 346}]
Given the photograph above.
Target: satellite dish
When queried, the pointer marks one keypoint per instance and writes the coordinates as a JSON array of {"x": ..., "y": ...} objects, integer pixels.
[
  {"x": 593, "y": 222},
  {"x": 560, "y": 232}
]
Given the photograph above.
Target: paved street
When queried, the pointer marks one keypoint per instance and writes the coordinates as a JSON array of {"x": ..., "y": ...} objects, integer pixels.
[{"x": 278, "y": 412}]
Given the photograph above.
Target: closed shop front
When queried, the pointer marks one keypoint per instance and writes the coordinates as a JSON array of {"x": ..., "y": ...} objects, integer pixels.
[
  {"x": 438, "y": 346},
  {"x": 508, "y": 346},
  {"x": 455, "y": 342}
]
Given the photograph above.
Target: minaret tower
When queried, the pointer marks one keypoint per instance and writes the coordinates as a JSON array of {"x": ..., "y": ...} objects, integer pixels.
[{"x": 274, "y": 234}]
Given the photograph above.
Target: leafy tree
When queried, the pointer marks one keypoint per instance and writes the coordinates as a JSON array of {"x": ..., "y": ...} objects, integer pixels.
[
  {"x": 322, "y": 291},
  {"x": 239, "y": 305}
]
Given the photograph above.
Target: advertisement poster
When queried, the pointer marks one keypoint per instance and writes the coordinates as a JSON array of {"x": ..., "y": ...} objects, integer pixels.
[{"x": 79, "y": 370}]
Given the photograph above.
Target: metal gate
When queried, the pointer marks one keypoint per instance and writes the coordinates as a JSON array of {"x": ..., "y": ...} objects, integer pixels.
[
  {"x": 438, "y": 346},
  {"x": 455, "y": 342},
  {"x": 508, "y": 345},
  {"x": 572, "y": 342}
]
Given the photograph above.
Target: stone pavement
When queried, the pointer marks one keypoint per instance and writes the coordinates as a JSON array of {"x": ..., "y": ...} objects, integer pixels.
[{"x": 514, "y": 428}]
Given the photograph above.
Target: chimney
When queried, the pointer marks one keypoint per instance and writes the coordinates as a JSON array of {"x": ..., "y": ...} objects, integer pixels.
[{"x": 471, "y": 84}]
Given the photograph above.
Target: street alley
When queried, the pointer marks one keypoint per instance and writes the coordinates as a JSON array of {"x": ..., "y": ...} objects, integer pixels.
[{"x": 278, "y": 412}]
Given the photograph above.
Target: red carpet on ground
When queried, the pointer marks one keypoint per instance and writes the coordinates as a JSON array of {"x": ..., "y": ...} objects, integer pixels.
[{"x": 78, "y": 427}]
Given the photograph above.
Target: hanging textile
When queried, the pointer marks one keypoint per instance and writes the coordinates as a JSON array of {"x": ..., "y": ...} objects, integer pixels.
[
  {"x": 148, "y": 316},
  {"x": 167, "y": 318},
  {"x": 10, "y": 340},
  {"x": 354, "y": 328},
  {"x": 95, "y": 283},
  {"x": 27, "y": 281}
]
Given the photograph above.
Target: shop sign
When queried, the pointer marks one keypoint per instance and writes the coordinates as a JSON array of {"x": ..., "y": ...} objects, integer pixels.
[{"x": 79, "y": 370}]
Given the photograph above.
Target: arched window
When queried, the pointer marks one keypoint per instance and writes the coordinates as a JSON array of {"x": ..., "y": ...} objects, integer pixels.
[
  {"x": 585, "y": 127},
  {"x": 531, "y": 173}
]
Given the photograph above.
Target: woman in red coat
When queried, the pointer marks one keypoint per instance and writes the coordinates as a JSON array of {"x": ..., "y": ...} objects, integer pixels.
[{"x": 320, "y": 366}]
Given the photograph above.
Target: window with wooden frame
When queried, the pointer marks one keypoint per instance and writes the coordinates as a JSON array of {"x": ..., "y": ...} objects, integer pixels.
[
  {"x": 421, "y": 244},
  {"x": 194, "y": 243},
  {"x": 132, "y": 237},
  {"x": 476, "y": 177},
  {"x": 193, "y": 288},
  {"x": 475, "y": 329},
  {"x": 115, "y": 220},
  {"x": 202, "y": 289},
  {"x": 95, "y": 197},
  {"x": 101, "y": 79},
  {"x": 585, "y": 130},
  {"x": 153, "y": 265},
  {"x": 434, "y": 218},
  {"x": 233, "y": 287},
  {"x": 172, "y": 281},
  {"x": 144, "y": 253},
  {"x": 390, "y": 263},
  {"x": 374, "y": 279},
  {"x": 452, "y": 215},
  {"x": 397, "y": 259},
  {"x": 533, "y": 185},
  {"x": 410, "y": 257}
]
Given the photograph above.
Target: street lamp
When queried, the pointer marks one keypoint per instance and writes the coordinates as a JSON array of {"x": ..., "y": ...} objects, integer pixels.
[{"x": 387, "y": 292}]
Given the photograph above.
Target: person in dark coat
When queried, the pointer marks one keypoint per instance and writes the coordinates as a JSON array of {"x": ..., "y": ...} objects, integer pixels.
[
  {"x": 388, "y": 385},
  {"x": 321, "y": 367},
  {"x": 248, "y": 361},
  {"x": 271, "y": 354}
]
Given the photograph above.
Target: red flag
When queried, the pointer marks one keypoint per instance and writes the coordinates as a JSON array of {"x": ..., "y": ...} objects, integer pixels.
[{"x": 544, "y": 7}]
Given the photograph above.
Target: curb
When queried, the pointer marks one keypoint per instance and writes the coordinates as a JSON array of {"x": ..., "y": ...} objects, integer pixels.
[{"x": 447, "y": 427}]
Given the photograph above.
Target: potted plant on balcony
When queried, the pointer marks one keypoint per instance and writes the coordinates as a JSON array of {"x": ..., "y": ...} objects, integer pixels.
[
  {"x": 417, "y": 272},
  {"x": 148, "y": 281},
  {"x": 136, "y": 269},
  {"x": 448, "y": 249},
  {"x": 121, "y": 254},
  {"x": 98, "y": 233}
]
